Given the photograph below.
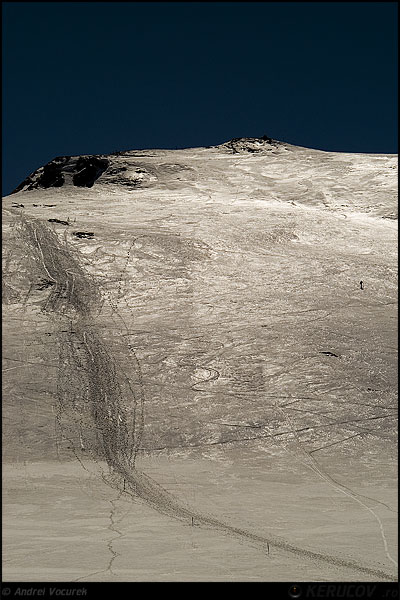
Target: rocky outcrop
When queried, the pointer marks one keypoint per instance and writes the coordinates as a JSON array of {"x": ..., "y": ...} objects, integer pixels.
[
  {"x": 81, "y": 171},
  {"x": 244, "y": 144}
]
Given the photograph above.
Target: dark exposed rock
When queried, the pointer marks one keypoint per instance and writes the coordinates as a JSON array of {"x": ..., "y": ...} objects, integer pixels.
[
  {"x": 51, "y": 177},
  {"x": 252, "y": 145},
  {"x": 89, "y": 169},
  {"x": 48, "y": 176},
  {"x": 330, "y": 354},
  {"x": 84, "y": 234},
  {"x": 84, "y": 171},
  {"x": 58, "y": 221}
]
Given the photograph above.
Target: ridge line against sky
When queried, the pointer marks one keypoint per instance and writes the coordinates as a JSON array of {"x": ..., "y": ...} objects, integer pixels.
[{"x": 136, "y": 75}]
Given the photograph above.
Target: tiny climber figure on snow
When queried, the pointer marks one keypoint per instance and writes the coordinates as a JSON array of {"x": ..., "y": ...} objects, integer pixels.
[{"x": 361, "y": 285}]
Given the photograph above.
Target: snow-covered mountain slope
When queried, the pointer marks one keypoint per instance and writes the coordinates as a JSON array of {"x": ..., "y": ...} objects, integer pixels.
[
  {"x": 251, "y": 169},
  {"x": 186, "y": 339}
]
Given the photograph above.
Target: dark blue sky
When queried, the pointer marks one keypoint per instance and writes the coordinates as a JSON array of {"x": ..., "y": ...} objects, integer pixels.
[{"x": 92, "y": 78}]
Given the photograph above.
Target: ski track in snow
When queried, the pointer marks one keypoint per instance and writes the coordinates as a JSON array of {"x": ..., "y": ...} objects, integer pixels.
[{"x": 157, "y": 497}]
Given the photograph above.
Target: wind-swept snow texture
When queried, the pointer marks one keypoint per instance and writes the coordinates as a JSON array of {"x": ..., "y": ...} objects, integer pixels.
[{"x": 195, "y": 385}]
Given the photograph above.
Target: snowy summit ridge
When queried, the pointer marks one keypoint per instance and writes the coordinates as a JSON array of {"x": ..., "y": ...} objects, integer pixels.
[
  {"x": 83, "y": 171},
  {"x": 262, "y": 168}
]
